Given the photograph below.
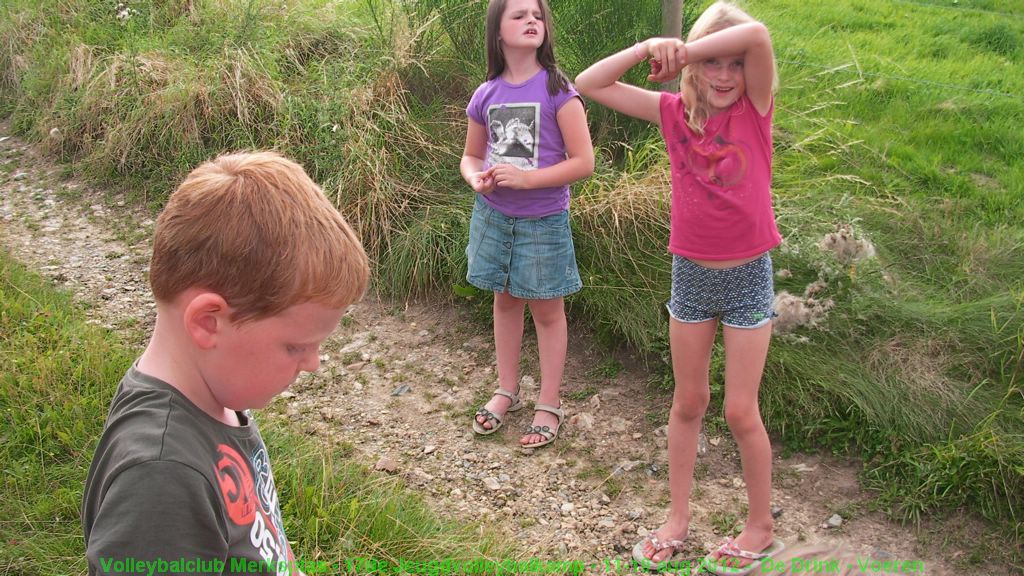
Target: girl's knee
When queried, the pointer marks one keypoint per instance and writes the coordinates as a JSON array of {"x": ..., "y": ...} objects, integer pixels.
[
  {"x": 508, "y": 302},
  {"x": 742, "y": 417},
  {"x": 547, "y": 312},
  {"x": 690, "y": 407}
]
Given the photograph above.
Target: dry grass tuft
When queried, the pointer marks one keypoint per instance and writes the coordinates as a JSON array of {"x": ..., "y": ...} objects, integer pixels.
[
  {"x": 303, "y": 49},
  {"x": 374, "y": 192},
  {"x": 81, "y": 66},
  {"x": 254, "y": 97},
  {"x": 922, "y": 366},
  {"x": 847, "y": 245},
  {"x": 807, "y": 310},
  {"x": 17, "y": 36},
  {"x": 138, "y": 107},
  {"x": 629, "y": 207}
]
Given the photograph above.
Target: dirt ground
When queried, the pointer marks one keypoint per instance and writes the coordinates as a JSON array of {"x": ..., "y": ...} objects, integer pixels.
[{"x": 400, "y": 380}]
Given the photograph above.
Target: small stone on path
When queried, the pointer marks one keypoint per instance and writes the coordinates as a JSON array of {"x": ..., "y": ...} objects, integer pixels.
[{"x": 386, "y": 464}]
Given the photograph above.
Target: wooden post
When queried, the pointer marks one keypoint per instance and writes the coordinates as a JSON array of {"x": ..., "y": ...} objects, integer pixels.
[{"x": 671, "y": 27}]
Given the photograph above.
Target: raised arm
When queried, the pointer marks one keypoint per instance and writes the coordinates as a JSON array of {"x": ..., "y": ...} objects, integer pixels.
[
  {"x": 600, "y": 82},
  {"x": 750, "y": 40}
]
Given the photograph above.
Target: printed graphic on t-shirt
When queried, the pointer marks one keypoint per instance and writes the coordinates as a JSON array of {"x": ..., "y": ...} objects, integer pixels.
[
  {"x": 254, "y": 503},
  {"x": 716, "y": 163},
  {"x": 513, "y": 130},
  {"x": 236, "y": 485}
]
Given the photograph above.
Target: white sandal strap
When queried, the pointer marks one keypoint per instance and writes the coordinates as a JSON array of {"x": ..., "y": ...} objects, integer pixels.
[
  {"x": 502, "y": 392},
  {"x": 489, "y": 416},
  {"x": 544, "y": 431},
  {"x": 659, "y": 545},
  {"x": 552, "y": 410}
]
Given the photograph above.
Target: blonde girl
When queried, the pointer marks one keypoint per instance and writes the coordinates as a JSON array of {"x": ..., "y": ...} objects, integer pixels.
[{"x": 718, "y": 135}]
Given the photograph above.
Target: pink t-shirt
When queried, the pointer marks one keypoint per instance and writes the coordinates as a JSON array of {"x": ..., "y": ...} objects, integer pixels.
[{"x": 721, "y": 182}]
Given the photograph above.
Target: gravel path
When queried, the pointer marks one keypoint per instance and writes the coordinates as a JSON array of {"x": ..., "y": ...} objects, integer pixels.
[{"x": 400, "y": 380}]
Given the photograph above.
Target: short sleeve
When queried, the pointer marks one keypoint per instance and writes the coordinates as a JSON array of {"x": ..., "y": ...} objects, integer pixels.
[
  {"x": 671, "y": 107},
  {"x": 475, "y": 108},
  {"x": 564, "y": 96},
  {"x": 156, "y": 511}
]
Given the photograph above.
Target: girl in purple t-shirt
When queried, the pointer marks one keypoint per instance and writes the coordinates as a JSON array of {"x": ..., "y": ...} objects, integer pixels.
[
  {"x": 718, "y": 135},
  {"x": 527, "y": 141}
]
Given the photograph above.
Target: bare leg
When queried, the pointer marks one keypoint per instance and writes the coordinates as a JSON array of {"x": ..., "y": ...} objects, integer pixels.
[
  {"x": 691, "y": 358},
  {"x": 745, "y": 354},
  {"x": 508, "y": 339},
  {"x": 552, "y": 341}
]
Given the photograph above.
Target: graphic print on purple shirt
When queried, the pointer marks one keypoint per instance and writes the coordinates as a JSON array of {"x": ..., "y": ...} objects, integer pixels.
[
  {"x": 521, "y": 126},
  {"x": 512, "y": 129}
]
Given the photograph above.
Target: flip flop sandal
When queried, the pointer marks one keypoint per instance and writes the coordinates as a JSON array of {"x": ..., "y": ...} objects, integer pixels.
[
  {"x": 729, "y": 548},
  {"x": 647, "y": 563},
  {"x": 495, "y": 419},
  {"x": 545, "y": 431}
]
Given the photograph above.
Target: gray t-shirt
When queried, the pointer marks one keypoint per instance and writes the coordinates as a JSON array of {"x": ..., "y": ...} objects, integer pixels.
[{"x": 172, "y": 486}]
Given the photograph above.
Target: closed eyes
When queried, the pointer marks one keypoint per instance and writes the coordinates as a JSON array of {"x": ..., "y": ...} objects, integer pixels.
[{"x": 521, "y": 15}]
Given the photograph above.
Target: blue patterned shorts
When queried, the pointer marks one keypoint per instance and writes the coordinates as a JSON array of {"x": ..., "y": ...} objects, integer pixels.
[
  {"x": 531, "y": 258},
  {"x": 741, "y": 297}
]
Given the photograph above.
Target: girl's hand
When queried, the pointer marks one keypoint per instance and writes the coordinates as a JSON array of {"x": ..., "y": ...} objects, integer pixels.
[
  {"x": 668, "y": 57},
  {"x": 482, "y": 182},
  {"x": 508, "y": 176}
]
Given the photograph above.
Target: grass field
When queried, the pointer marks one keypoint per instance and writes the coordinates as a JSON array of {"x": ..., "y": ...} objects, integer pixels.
[{"x": 897, "y": 120}]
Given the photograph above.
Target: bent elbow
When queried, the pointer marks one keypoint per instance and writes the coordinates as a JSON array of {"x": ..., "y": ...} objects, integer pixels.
[
  {"x": 581, "y": 84},
  {"x": 761, "y": 34},
  {"x": 588, "y": 165}
]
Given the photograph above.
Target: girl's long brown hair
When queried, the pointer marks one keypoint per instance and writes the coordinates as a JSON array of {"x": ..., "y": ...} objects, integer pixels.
[{"x": 557, "y": 81}]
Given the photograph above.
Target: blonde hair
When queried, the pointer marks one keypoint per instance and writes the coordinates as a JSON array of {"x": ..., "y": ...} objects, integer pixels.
[
  {"x": 717, "y": 17},
  {"x": 255, "y": 229}
]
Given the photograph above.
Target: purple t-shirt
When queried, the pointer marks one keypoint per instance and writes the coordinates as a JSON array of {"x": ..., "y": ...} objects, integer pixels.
[{"x": 522, "y": 130}]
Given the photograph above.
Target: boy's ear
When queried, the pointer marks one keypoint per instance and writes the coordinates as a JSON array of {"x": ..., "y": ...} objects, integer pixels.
[{"x": 206, "y": 316}]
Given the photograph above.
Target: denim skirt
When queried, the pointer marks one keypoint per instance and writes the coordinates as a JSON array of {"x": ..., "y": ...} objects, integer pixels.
[{"x": 531, "y": 258}]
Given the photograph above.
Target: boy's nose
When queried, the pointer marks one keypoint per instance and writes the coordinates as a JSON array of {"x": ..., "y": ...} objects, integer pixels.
[{"x": 311, "y": 363}]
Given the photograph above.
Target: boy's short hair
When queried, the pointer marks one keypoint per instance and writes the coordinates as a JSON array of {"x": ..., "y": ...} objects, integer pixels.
[{"x": 255, "y": 229}]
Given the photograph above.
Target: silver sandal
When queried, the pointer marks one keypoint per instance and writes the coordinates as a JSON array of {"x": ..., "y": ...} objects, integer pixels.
[
  {"x": 545, "y": 431},
  {"x": 495, "y": 419}
]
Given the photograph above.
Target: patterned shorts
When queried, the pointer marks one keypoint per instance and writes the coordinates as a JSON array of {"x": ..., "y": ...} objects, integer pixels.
[{"x": 741, "y": 296}]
